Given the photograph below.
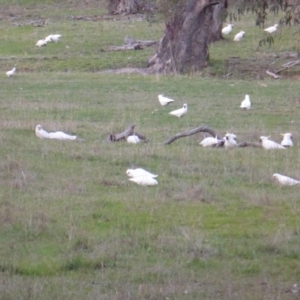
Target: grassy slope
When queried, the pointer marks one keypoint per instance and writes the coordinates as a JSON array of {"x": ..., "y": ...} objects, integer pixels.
[{"x": 216, "y": 226}]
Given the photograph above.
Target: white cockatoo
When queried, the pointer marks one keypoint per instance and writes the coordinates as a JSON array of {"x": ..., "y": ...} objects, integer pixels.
[
  {"x": 58, "y": 135},
  {"x": 227, "y": 29},
  {"x": 139, "y": 172},
  {"x": 41, "y": 133},
  {"x": 209, "y": 141},
  {"x": 48, "y": 38},
  {"x": 246, "y": 103},
  {"x": 272, "y": 28},
  {"x": 164, "y": 100},
  {"x": 133, "y": 139},
  {"x": 11, "y": 72},
  {"x": 55, "y": 37},
  {"x": 144, "y": 180},
  {"x": 41, "y": 43},
  {"x": 179, "y": 112},
  {"x": 287, "y": 140},
  {"x": 284, "y": 180},
  {"x": 268, "y": 144},
  {"x": 239, "y": 36},
  {"x": 230, "y": 140}
]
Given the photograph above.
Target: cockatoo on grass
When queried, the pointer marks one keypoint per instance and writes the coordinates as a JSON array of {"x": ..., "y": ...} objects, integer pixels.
[
  {"x": 11, "y": 73},
  {"x": 227, "y": 29},
  {"x": 55, "y": 37},
  {"x": 230, "y": 140},
  {"x": 284, "y": 180},
  {"x": 179, "y": 112},
  {"x": 139, "y": 172},
  {"x": 164, "y": 100},
  {"x": 209, "y": 142},
  {"x": 239, "y": 36},
  {"x": 144, "y": 180},
  {"x": 272, "y": 28},
  {"x": 287, "y": 140},
  {"x": 133, "y": 139},
  {"x": 246, "y": 103},
  {"x": 58, "y": 135},
  {"x": 41, "y": 43},
  {"x": 268, "y": 144}
]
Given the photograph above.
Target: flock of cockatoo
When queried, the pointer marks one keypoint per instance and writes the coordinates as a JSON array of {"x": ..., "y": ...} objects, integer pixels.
[
  {"x": 145, "y": 178},
  {"x": 178, "y": 112},
  {"x": 240, "y": 35},
  {"x": 48, "y": 39},
  {"x": 40, "y": 43}
]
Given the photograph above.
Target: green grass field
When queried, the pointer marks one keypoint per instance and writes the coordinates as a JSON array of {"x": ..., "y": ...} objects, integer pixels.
[{"x": 72, "y": 226}]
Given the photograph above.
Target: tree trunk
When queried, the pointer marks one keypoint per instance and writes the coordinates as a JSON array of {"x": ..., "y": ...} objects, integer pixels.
[
  {"x": 184, "y": 46},
  {"x": 217, "y": 21}
]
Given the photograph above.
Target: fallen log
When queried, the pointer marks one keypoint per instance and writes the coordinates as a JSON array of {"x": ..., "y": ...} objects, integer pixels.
[
  {"x": 249, "y": 144},
  {"x": 121, "y": 136},
  {"x": 202, "y": 128},
  {"x": 125, "y": 134},
  {"x": 133, "y": 44}
]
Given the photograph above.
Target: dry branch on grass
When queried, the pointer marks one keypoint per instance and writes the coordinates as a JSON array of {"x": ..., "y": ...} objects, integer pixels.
[
  {"x": 285, "y": 66},
  {"x": 204, "y": 128},
  {"x": 133, "y": 44},
  {"x": 125, "y": 134}
]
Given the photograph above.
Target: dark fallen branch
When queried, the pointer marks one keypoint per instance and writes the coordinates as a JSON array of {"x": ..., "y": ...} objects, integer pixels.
[
  {"x": 121, "y": 136},
  {"x": 133, "y": 44},
  {"x": 202, "y": 128},
  {"x": 126, "y": 47},
  {"x": 144, "y": 43},
  {"x": 249, "y": 144},
  {"x": 125, "y": 134}
]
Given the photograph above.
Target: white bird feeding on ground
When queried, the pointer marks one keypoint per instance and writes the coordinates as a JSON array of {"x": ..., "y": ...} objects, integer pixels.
[
  {"x": 133, "y": 139},
  {"x": 11, "y": 73},
  {"x": 164, "y": 100},
  {"x": 239, "y": 36},
  {"x": 41, "y": 133},
  {"x": 209, "y": 142},
  {"x": 58, "y": 135},
  {"x": 179, "y": 112},
  {"x": 246, "y": 103},
  {"x": 41, "y": 43},
  {"x": 227, "y": 29},
  {"x": 230, "y": 140},
  {"x": 139, "y": 172},
  {"x": 287, "y": 140},
  {"x": 55, "y": 37},
  {"x": 48, "y": 38},
  {"x": 284, "y": 180},
  {"x": 142, "y": 177},
  {"x": 268, "y": 144},
  {"x": 144, "y": 180},
  {"x": 272, "y": 28}
]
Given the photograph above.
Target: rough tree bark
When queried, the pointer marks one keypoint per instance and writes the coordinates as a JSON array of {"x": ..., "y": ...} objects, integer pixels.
[
  {"x": 217, "y": 21},
  {"x": 184, "y": 46}
]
